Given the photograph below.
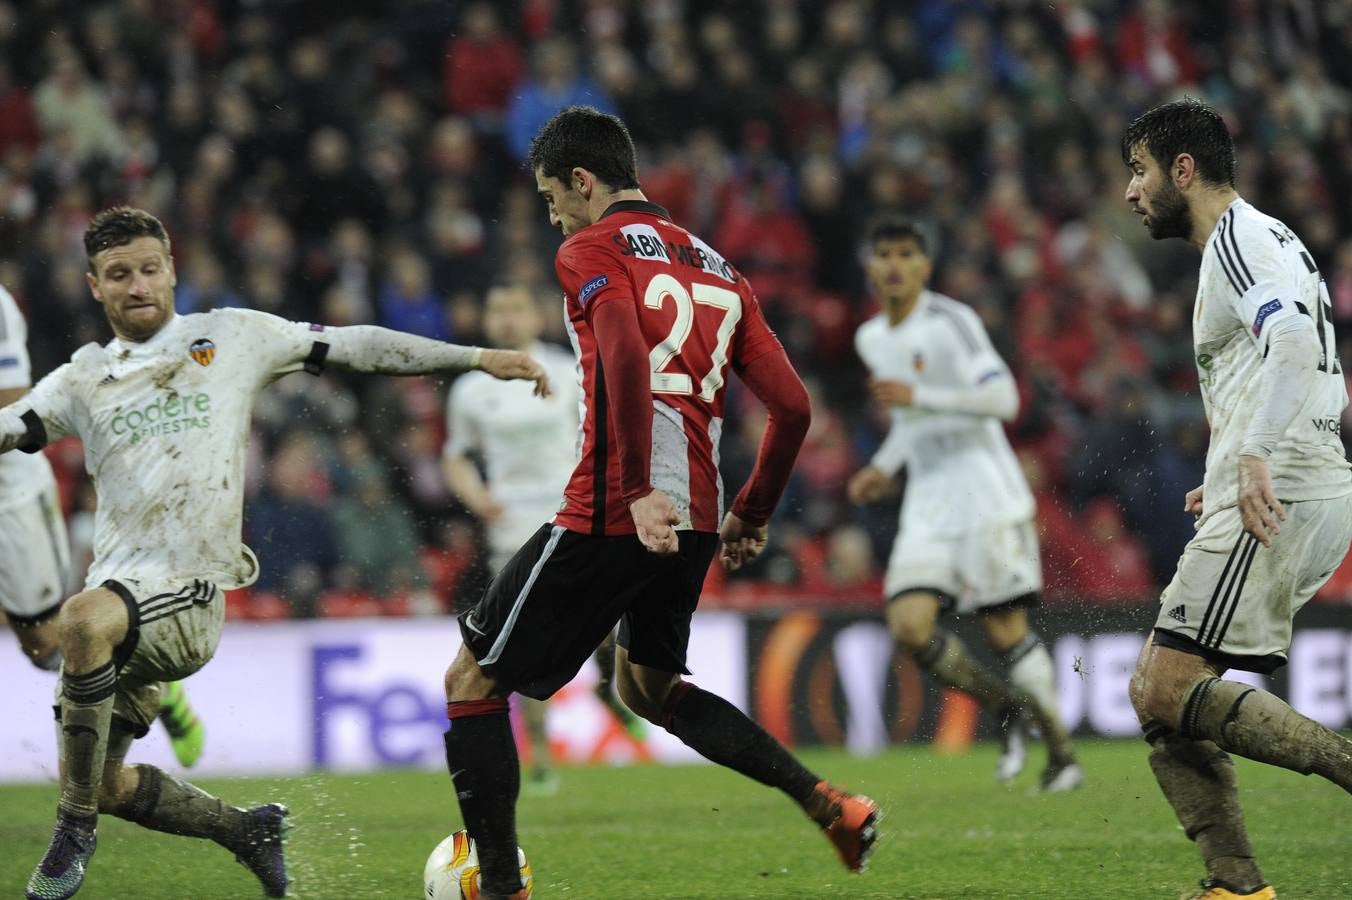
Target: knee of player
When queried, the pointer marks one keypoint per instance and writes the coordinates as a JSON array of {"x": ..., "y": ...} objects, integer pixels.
[
  {"x": 465, "y": 680},
  {"x": 913, "y": 636},
  {"x": 79, "y": 621},
  {"x": 1152, "y": 698},
  {"x": 643, "y": 700},
  {"x": 117, "y": 789}
]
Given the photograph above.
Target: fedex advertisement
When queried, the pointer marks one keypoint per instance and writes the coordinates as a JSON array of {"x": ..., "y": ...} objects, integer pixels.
[
  {"x": 362, "y": 694},
  {"x": 348, "y": 695}
]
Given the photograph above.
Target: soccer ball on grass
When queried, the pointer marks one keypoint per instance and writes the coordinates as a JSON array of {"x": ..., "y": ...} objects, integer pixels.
[{"x": 452, "y": 871}]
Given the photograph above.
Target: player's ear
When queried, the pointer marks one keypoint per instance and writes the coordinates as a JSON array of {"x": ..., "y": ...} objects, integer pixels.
[
  {"x": 93, "y": 286},
  {"x": 173, "y": 273},
  {"x": 582, "y": 181},
  {"x": 1184, "y": 168}
]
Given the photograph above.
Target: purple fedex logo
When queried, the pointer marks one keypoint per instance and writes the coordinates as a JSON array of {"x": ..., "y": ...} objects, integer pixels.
[{"x": 387, "y": 721}]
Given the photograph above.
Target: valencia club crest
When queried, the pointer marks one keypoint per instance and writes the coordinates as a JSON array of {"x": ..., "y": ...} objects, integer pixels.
[{"x": 203, "y": 351}]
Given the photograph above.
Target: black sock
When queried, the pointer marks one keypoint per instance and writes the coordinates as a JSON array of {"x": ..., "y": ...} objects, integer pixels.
[
  {"x": 481, "y": 757},
  {"x": 722, "y": 733}
]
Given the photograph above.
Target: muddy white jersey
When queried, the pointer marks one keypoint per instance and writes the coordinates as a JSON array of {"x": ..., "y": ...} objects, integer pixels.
[
  {"x": 529, "y": 444},
  {"x": 23, "y": 476},
  {"x": 165, "y": 427},
  {"x": 1256, "y": 272},
  {"x": 961, "y": 474}
]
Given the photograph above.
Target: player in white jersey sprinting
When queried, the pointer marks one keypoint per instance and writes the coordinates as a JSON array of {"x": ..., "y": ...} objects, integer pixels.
[
  {"x": 35, "y": 552},
  {"x": 163, "y": 412},
  {"x": 967, "y": 542},
  {"x": 529, "y": 450},
  {"x": 1274, "y": 512}
]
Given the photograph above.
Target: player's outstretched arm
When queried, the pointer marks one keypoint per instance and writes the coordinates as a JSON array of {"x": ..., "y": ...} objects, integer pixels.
[{"x": 370, "y": 348}]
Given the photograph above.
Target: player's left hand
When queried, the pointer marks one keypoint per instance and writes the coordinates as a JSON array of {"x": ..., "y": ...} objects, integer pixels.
[
  {"x": 1259, "y": 509},
  {"x": 892, "y": 393},
  {"x": 509, "y": 365},
  {"x": 654, "y": 516},
  {"x": 741, "y": 542}
]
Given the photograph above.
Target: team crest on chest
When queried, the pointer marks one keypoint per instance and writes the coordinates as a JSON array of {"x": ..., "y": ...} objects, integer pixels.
[{"x": 202, "y": 351}]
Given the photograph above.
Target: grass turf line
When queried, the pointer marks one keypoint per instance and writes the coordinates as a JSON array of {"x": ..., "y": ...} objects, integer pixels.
[{"x": 696, "y": 832}]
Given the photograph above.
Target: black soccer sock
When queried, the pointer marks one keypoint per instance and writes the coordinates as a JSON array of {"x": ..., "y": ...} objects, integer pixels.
[
  {"x": 163, "y": 803},
  {"x": 481, "y": 757},
  {"x": 1258, "y": 725},
  {"x": 722, "y": 733}
]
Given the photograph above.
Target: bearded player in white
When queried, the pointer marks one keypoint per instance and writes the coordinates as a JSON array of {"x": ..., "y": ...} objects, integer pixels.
[
  {"x": 528, "y": 449},
  {"x": 1274, "y": 512},
  {"x": 163, "y": 412},
  {"x": 967, "y": 542},
  {"x": 35, "y": 551}
]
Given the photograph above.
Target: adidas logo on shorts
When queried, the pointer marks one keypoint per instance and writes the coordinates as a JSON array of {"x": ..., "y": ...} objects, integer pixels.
[{"x": 1178, "y": 613}]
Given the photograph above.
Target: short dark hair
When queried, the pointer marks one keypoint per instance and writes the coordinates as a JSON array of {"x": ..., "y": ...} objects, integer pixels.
[
  {"x": 119, "y": 226},
  {"x": 892, "y": 228},
  {"x": 583, "y": 136},
  {"x": 1185, "y": 126}
]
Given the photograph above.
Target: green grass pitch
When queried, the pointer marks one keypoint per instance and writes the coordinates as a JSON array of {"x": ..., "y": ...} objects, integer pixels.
[{"x": 701, "y": 832}]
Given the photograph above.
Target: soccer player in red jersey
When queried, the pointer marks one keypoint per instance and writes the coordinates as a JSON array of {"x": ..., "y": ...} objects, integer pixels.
[{"x": 656, "y": 317}]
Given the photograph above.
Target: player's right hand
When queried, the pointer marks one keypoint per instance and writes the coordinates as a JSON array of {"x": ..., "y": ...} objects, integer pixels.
[
  {"x": 868, "y": 484},
  {"x": 1192, "y": 501},
  {"x": 654, "y": 515},
  {"x": 741, "y": 542},
  {"x": 512, "y": 364}
]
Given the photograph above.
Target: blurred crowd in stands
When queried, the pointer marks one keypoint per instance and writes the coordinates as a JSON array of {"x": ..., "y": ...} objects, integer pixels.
[{"x": 351, "y": 162}]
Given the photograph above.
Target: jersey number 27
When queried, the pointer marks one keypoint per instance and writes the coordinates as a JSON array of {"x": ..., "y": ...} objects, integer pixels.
[{"x": 664, "y": 287}]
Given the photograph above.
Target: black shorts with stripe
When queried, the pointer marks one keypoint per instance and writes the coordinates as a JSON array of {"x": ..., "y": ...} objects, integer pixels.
[
  {"x": 547, "y": 610},
  {"x": 1232, "y": 599}
]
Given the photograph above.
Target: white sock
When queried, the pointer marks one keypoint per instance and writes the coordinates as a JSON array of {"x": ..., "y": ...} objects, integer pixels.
[{"x": 1031, "y": 671}]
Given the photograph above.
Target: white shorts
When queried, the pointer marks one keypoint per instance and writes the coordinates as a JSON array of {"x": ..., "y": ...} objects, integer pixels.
[
  {"x": 34, "y": 559},
  {"x": 1232, "y": 599},
  {"x": 971, "y": 571},
  {"x": 175, "y": 628}
]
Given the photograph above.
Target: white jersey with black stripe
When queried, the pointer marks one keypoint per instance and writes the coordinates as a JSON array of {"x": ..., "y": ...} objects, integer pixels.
[
  {"x": 23, "y": 476},
  {"x": 961, "y": 474},
  {"x": 165, "y": 426},
  {"x": 1255, "y": 272}
]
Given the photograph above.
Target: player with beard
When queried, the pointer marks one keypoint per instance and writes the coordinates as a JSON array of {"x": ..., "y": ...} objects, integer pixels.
[
  {"x": 163, "y": 412},
  {"x": 1274, "y": 511}
]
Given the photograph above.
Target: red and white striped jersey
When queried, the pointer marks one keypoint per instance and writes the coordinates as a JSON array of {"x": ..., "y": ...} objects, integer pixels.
[{"x": 697, "y": 316}]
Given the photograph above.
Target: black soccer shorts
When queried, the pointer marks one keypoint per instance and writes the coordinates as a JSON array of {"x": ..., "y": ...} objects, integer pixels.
[{"x": 547, "y": 610}]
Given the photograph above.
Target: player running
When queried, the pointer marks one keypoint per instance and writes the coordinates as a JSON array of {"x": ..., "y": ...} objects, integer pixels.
[
  {"x": 163, "y": 412},
  {"x": 967, "y": 541},
  {"x": 1274, "y": 512},
  {"x": 657, "y": 317},
  {"x": 35, "y": 552}
]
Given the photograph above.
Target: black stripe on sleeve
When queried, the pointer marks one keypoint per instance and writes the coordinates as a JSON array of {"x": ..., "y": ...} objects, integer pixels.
[
  {"x": 1230, "y": 230},
  {"x": 314, "y": 363},
  {"x": 600, "y": 444},
  {"x": 1309, "y": 263}
]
